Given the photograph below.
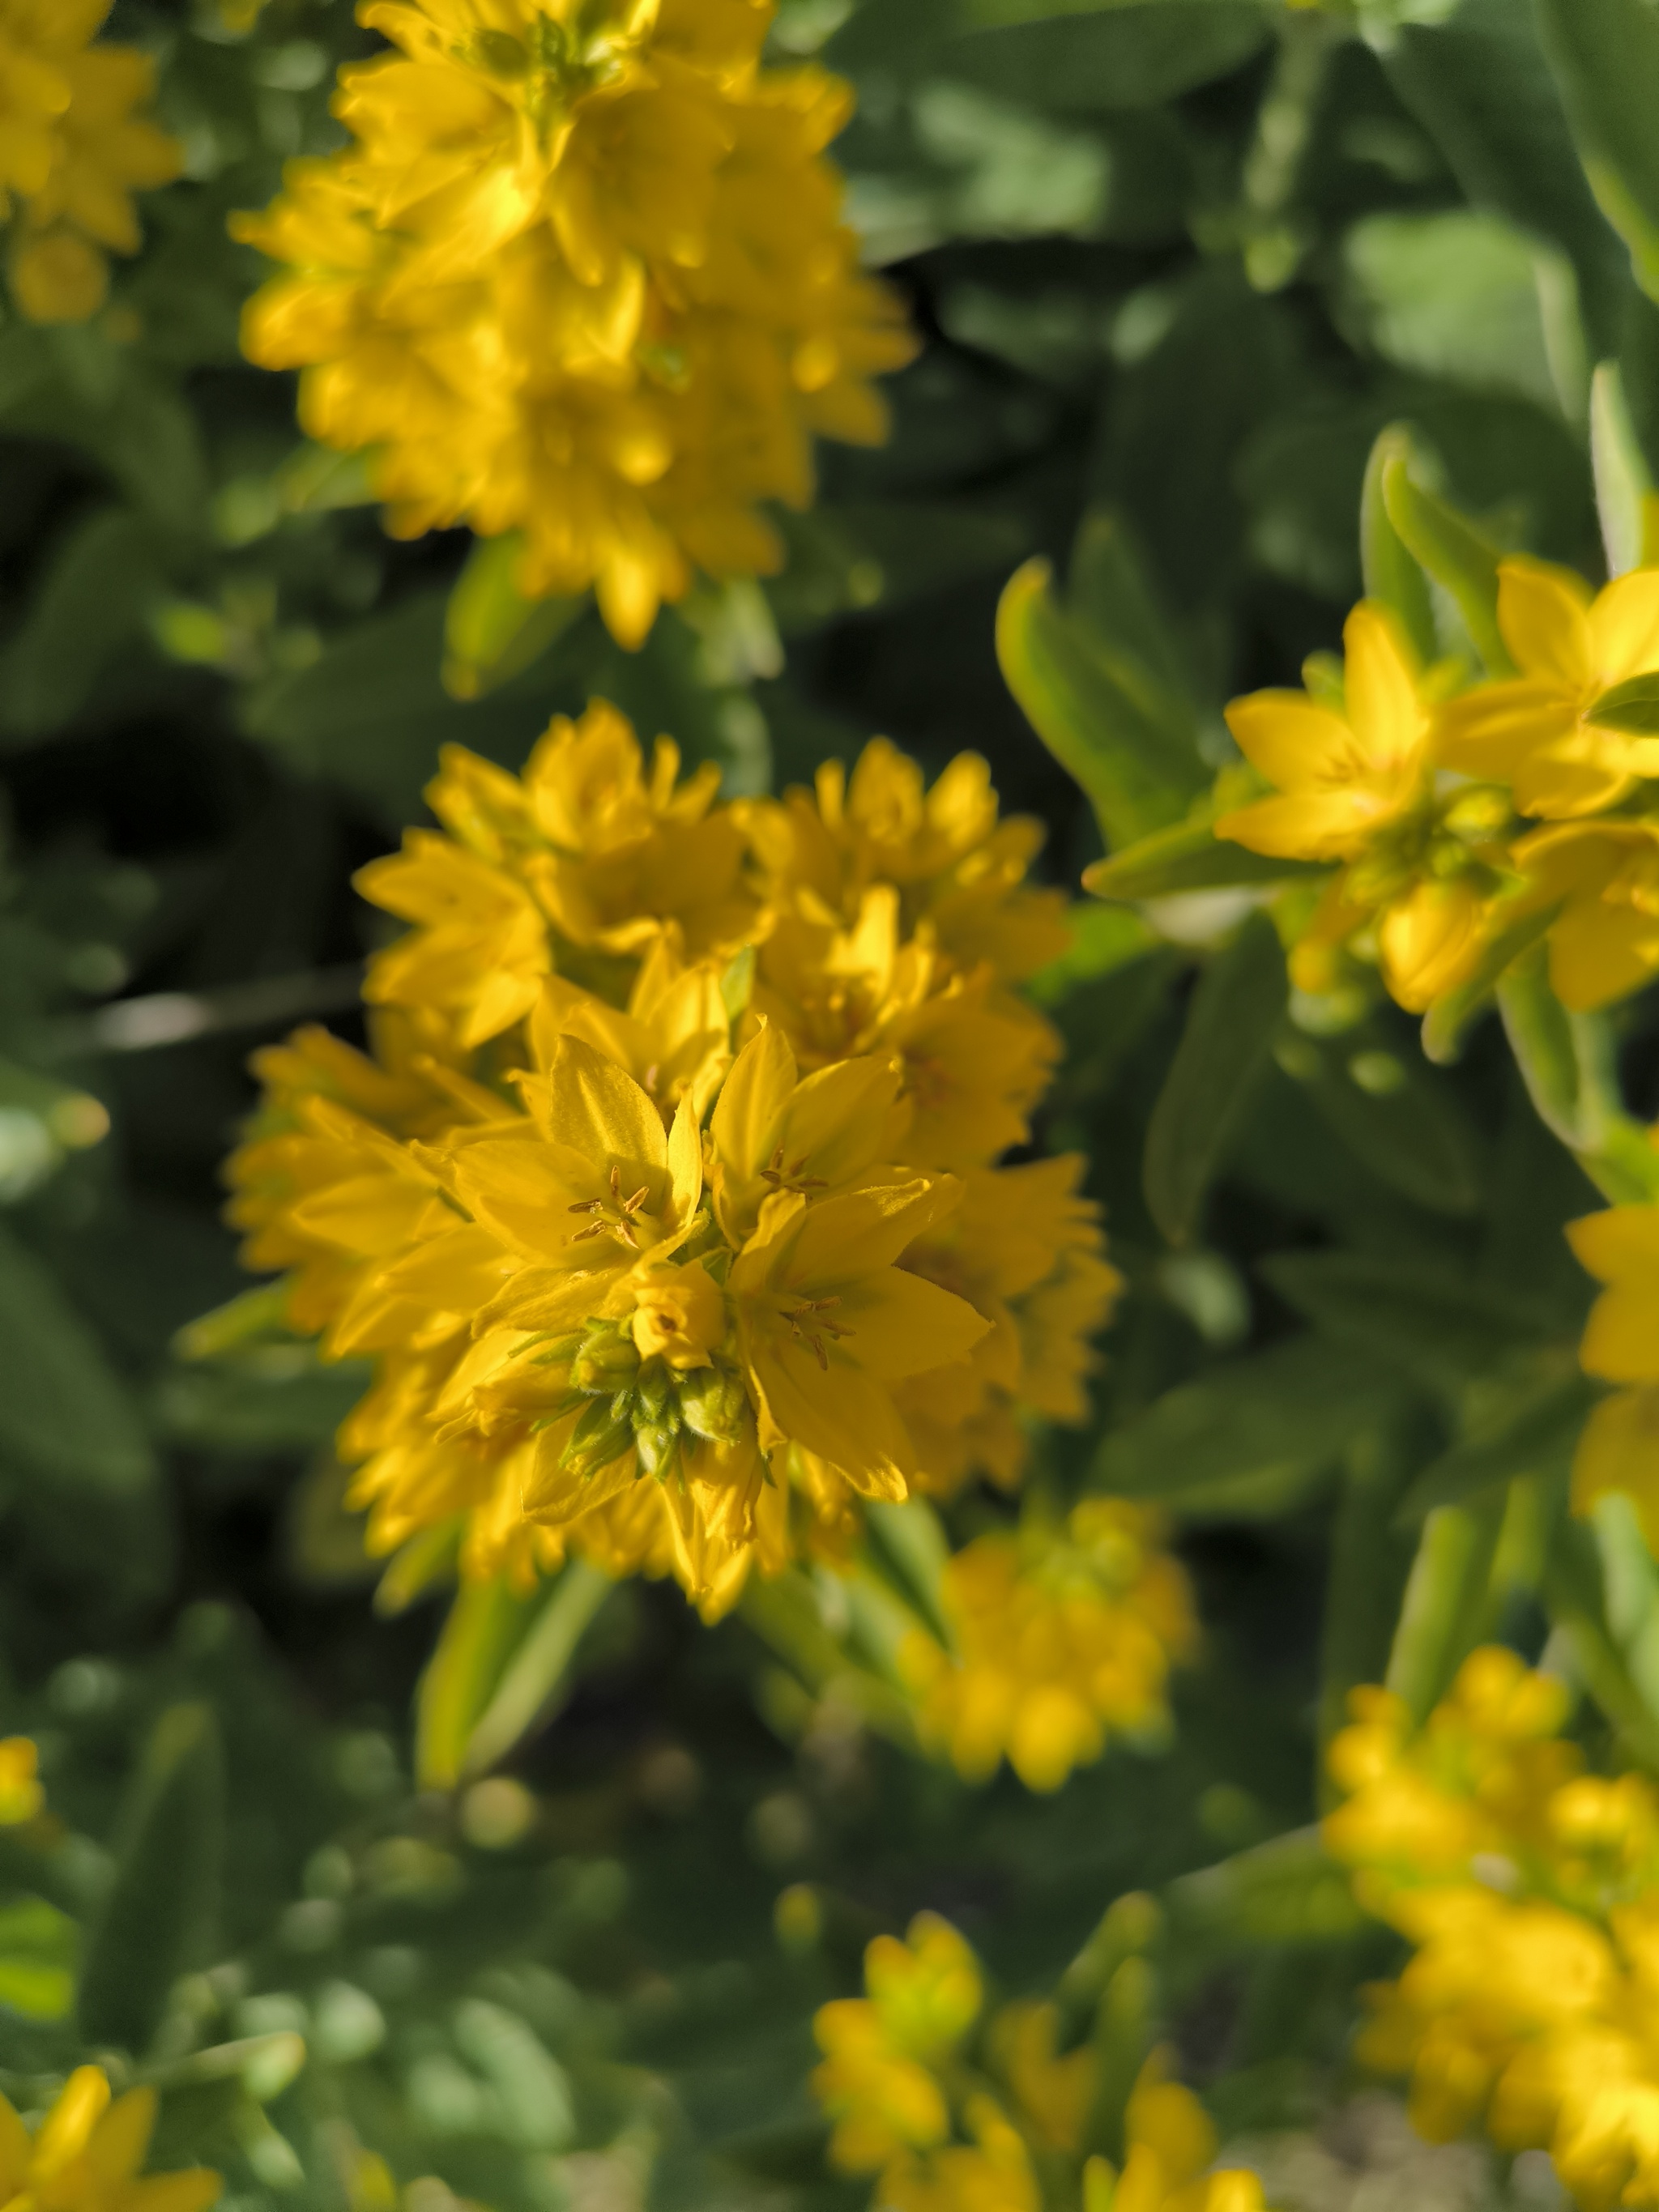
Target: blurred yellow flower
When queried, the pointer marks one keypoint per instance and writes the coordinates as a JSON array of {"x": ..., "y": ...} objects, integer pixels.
[
  {"x": 73, "y": 150},
  {"x": 1171, "y": 2142},
  {"x": 86, "y": 2154},
  {"x": 580, "y": 273},
  {"x": 1062, "y": 1637},
  {"x": 1620, "y": 1447},
  {"x": 21, "y": 1794},
  {"x": 1538, "y": 732},
  {"x": 924, "y": 1995},
  {"x": 1356, "y": 787}
]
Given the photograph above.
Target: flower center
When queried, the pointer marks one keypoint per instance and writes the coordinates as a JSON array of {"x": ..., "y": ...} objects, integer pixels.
[
  {"x": 616, "y": 1218},
  {"x": 808, "y": 1326}
]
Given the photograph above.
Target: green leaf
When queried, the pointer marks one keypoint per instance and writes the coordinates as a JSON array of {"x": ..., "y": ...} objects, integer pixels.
[
  {"x": 1235, "y": 1010},
  {"x": 1099, "y": 709},
  {"x": 1605, "y": 54},
  {"x": 533, "y": 2090},
  {"x": 1632, "y": 706},
  {"x": 1369, "y": 1562},
  {"x": 909, "y": 1547},
  {"x": 492, "y": 633},
  {"x": 1404, "y": 1123},
  {"x": 1440, "y": 1326},
  {"x": 1253, "y": 1435},
  {"x": 1598, "y": 1588},
  {"x": 38, "y": 1949},
  {"x": 1456, "y": 294},
  {"x": 1624, "y": 483},
  {"x": 1569, "y": 1064},
  {"x": 1453, "y": 552},
  {"x": 1630, "y": 1583},
  {"x": 536, "y": 1680},
  {"x": 92, "y": 601},
  {"x": 62, "y": 1410},
  {"x": 159, "y": 1910},
  {"x": 1480, "y": 87},
  {"x": 1112, "y": 55},
  {"x": 1446, "y": 1026},
  {"x": 1448, "y": 1599},
  {"x": 1188, "y": 857},
  {"x": 1283, "y": 1892},
  {"x": 846, "y": 556},
  {"x": 1393, "y": 574},
  {"x": 487, "y": 1622},
  {"x": 1532, "y": 1435}
]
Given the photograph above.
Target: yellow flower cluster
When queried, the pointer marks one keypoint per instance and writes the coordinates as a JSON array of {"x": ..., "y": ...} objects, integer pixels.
[
  {"x": 666, "y": 1201},
  {"x": 580, "y": 274},
  {"x": 1453, "y": 818},
  {"x": 86, "y": 2154},
  {"x": 1062, "y": 1636},
  {"x": 73, "y": 150},
  {"x": 953, "y": 2121},
  {"x": 1530, "y": 1891}
]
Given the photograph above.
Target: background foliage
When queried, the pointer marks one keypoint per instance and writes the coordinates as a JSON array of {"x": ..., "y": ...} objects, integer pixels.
[{"x": 1177, "y": 264}]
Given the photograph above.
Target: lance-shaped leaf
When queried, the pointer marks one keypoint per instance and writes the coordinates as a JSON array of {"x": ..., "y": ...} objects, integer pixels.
[
  {"x": 1235, "y": 1010},
  {"x": 1448, "y": 1600},
  {"x": 1099, "y": 709},
  {"x": 492, "y": 632},
  {"x": 1632, "y": 705},
  {"x": 1605, "y": 55},
  {"x": 1440, "y": 1326},
  {"x": 1402, "y": 1122},
  {"x": 1393, "y": 572},
  {"x": 1625, "y": 498},
  {"x": 1188, "y": 857},
  {"x": 159, "y": 1910},
  {"x": 1459, "y": 557},
  {"x": 487, "y": 1622},
  {"x": 1532, "y": 1435},
  {"x": 62, "y": 1411},
  {"x": 536, "y": 1679}
]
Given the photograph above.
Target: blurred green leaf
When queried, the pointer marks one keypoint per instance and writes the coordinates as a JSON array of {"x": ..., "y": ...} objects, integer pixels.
[
  {"x": 1099, "y": 709},
  {"x": 1453, "y": 551},
  {"x": 1441, "y": 1327},
  {"x": 536, "y": 1679},
  {"x": 1625, "y": 496},
  {"x": 38, "y": 1949},
  {"x": 92, "y": 601},
  {"x": 491, "y": 632},
  {"x": 1115, "y": 54},
  {"x": 1393, "y": 572},
  {"x": 1605, "y": 54},
  {"x": 1235, "y": 1010},
  {"x": 1447, "y": 1603},
  {"x": 1397, "y": 1117},
  {"x": 161, "y": 1906},
  {"x": 62, "y": 1410},
  {"x": 1251, "y": 1436},
  {"x": 1532, "y": 1433},
  {"x": 487, "y": 1622}
]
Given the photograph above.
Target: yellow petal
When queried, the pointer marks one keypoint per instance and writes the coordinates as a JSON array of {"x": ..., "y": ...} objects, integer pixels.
[
  {"x": 843, "y": 1238},
  {"x": 122, "y": 2136},
  {"x": 1544, "y": 614},
  {"x": 1491, "y": 730},
  {"x": 1383, "y": 711},
  {"x": 902, "y": 1325},
  {"x": 1326, "y": 826},
  {"x": 1295, "y": 742},
  {"x": 192, "y": 2191},
  {"x": 752, "y": 1101},
  {"x": 1621, "y": 1241},
  {"x": 67, "y": 2128},
  {"x": 1621, "y": 1344},
  {"x": 1624, "y": 626},
  {"x": 1620, "y": 1450},
  {"x": 598, "y": 1110}
]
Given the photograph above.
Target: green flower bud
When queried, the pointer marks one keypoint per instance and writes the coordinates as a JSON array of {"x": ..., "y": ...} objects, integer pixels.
[
  {"x": 654, "y": 1390},
  {"x": 713, "y": 1404},
  {"x": 602, "y": 1435},
  {"x": 657, "y": 1444},
  {"x": 607, "y": 1361}
]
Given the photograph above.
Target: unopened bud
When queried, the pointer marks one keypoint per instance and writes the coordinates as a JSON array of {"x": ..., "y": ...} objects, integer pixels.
[
  {"x": 658, "y": 1444},
  {"x": 713, "y": 1404},
  {"x": 654, "y": 1390},
  {"x": 598, "y": 1437},
  {"x": 607, "y": 1361}
]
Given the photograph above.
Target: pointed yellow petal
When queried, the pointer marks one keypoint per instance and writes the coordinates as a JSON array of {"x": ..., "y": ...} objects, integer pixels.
[
  {"x": 67, "y": 2128},
  {"x": 1624, "y": 626},
  {"x": 899, "y": 1324},
  {"x": 122, "y": 2136},
  {"x": 16, "y": 2148},
  {"x": 601, "y": 1111},
  {"x": 684, "y": 1163},
  {"x": 1544, "y": 614},
  {"x": 839, "y": 1412},
  {"x": 1621, "y": 1344},
  {"x": 762, "y": 1077},
  {"x": 1326, "y": 826},
  {"x": 192, "y": 2191},
  {"x": 844, "y": 1238},
  {"x": 1383, "y": 711},
  {"x": 1295, "y": 742},
  {"x": 1621, "y": 1241}
]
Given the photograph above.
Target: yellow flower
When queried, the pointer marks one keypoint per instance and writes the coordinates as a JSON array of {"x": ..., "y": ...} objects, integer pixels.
[
  {"x": 1356, "y": 786},
  {"x": 876, "y": 2083},
  {"x": 1024, "y": 1249},
  {"x": 1062, "y": 1637},
  {"x": 1169, "y": 2141},
  {"x": 72, "y": 153},
  {"x": 585, "y": 854},
  {"x": 582, "y": 274},
  {"x": 21, "y": 1794},
  {"x": 959, "y": 872},
  {"x": 86, "y": 2154},
  {"x": 995, "y": 2175},
  {"x": 1538, "y": 732},
  {"x": 1603, "y": 877},
  {"x": 1053, "y": 2093}
]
